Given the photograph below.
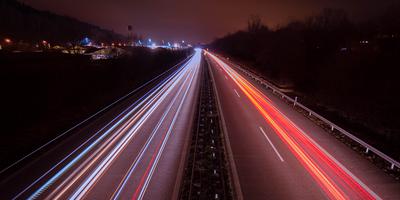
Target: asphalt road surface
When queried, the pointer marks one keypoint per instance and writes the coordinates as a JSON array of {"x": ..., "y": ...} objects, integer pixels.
[
  {"x": 138, "y": 150},
  {"x": 280, "y": 154},
  {"x": 136, "y": 155}
]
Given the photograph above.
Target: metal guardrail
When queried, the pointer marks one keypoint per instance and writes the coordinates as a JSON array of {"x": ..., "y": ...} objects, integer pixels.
[{"x": 393, "y": 163}]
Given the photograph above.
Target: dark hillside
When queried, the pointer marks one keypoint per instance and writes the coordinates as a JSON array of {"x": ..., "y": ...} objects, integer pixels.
[{"x": 29, "y": 24}]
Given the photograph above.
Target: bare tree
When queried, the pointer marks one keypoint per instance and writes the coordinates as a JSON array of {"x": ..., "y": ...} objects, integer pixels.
[{"x": 254, "y": 23}]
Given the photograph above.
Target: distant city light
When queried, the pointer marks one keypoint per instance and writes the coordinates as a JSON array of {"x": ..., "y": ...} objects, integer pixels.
[
  {"x": 7, "y": 40},
  {"x": 364, "y": 42},
  {"x": 153, "y": 46},
  {"x": 86, "y": 41},
  {"x": 149, "y": 43},
  {"x": 44, "y": 42}
]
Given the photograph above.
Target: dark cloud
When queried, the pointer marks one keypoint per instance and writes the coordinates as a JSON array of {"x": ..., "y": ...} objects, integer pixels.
[{"x": 195, "y": 20}]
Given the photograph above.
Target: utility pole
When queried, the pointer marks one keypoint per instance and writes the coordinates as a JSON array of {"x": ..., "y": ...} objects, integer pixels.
[{"x": 130, "y": 35}]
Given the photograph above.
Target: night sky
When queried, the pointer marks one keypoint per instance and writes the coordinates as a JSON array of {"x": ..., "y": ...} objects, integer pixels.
[{"x": 197, "y": 21}]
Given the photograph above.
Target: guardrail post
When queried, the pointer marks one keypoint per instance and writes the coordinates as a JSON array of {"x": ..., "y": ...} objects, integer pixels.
[{"x": 382, "y": 155}]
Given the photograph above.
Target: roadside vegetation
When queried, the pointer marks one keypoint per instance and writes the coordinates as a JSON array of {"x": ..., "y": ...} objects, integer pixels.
[{"x": 347, "y": 71}]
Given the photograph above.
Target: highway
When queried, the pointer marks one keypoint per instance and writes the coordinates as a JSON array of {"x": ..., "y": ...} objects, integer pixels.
[
  {"x": 137, "y": 150},
  {"x": 277, "y": 153},
  {"x": 135, "y": 155}
]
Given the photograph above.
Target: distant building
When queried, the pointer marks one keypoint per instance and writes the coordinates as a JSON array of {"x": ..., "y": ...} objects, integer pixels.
[{"x": 107, "y": 53}]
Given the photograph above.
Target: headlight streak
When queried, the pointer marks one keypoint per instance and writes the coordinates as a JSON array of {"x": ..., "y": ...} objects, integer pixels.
[
  {"x": 141, "y": 153},
  {"x": 309, "y": 153},
  {"x": 136, "y": 104},
  {"x": 98, "y": 112},
  {"x": 104, "y": 165},
  {"x": 111, "y": 141},
  {"x": 124, "y": 181},
  {"x": 147, "y": 97},
  {"x": 139, "y": 193}
]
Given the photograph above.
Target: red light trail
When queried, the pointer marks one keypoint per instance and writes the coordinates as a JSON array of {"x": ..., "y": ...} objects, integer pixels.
[{"x": 335, "y": 181}]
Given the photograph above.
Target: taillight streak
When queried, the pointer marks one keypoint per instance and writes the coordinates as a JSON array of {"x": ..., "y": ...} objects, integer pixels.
[{"x": 307, "y": 152}]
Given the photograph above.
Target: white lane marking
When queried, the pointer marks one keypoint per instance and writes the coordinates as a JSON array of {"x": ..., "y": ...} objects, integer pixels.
[
  {"x": 92, "y": 179},
  {"x": 226, "y": 77},
  {"x": 237, "y": 93},
  {"x": 273, "y": 146},
  {"x": 376, "y": 196},
  {"x": 87, "y": 119},
  {"x": 120, "y": 146},
  {"x": 155, "y": 164},
  {"x": 235, "y": 176},
  {"x": 122, "y": 184},
  {"x": 68, "y": 166},
  {"x": 154, "y": 99},
  {"x": 315, "y": 143},
  {"x": 146, "y": 96}
]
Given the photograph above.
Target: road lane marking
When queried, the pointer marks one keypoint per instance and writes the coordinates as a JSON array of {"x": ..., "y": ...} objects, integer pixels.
[
  {"x": 87, "y": 119},
  {"x": 237, "y": 93},
  {"x": 92, "y": 180},
  {"x": 235, "y": 176},
  {"x": 120, "y": 146},
  {"x": 155, "y": 99},
  {"x": 136, "y": 105},
  {"x": 144, "y": 148},
  {"x": 160, "y": 151},
  {"x": 334, "y": 159},
  {"x": 300, "y": 154},
  {"x": 147, "y": 102},
  {"x": 273, "y": 146}
]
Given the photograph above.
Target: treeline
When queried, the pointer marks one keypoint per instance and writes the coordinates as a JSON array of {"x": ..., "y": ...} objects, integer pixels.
[
  {"x": 349, "y": 69},
  {"x": 24, "y": 23}
]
